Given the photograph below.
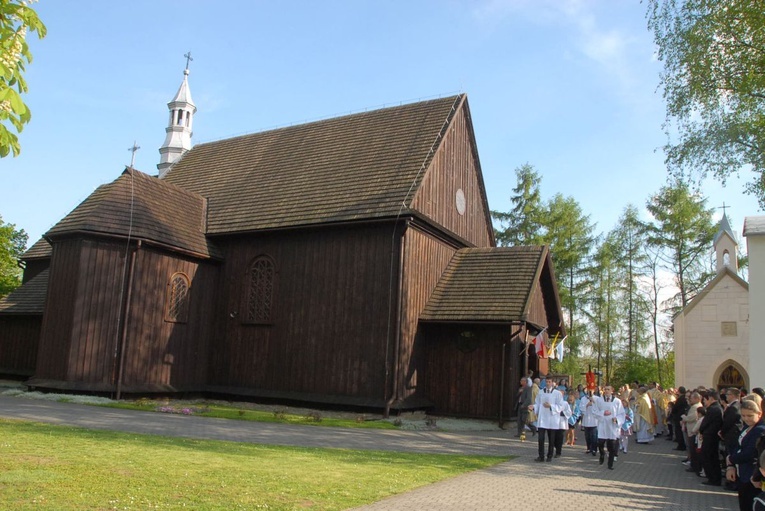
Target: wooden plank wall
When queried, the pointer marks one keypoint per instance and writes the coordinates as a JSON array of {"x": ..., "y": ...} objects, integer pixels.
[
  {"x": 80, "y": 334},
  {"x": 161, "y": 354},
  {"x": 97, "y": 296},
  {"x": 56, "y": 332},
  {"x": 330, "y": 328},
  {"x": 537, "y": 312},
  {"x": 424, "y": 262},
  {"x": 469, "y": 383},
  {"x": 454, "y": 167},
  {"x": 19, "y": 337},
  {"x": 539, "y": 315}
]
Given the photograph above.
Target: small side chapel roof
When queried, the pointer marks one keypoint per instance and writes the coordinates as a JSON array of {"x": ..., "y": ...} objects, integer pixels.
[
  {"x": 360, "y": 166},
  {"x": 28, "y": 299},
  {"x": 488, "y": 284},
  {"x": 142, "y": 207}
]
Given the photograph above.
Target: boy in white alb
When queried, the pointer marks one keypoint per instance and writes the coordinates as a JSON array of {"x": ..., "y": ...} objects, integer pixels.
[
  {"x": 610, "y": 414},
  {"x": 565, "y": 414},
  {"x": 547, "y": 408},
  {"x": 589, "y": 422}
]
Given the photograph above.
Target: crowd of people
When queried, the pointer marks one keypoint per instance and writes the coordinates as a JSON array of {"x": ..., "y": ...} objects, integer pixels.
[{"x": 719, "y": 433}]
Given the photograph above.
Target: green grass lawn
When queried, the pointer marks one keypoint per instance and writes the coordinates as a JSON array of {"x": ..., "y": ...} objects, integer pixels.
[{"x": 45, "y": 467}]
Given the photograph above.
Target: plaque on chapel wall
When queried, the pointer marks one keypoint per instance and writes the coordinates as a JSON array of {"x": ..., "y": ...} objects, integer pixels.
[
  {"x": 460, "y": 201},
  {"x": 728, "y": 329}
]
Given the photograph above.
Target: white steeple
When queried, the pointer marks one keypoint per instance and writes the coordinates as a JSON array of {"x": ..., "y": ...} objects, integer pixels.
[
  {"x": 179, "y": 129},
  {"x": 726, "y": 246}
]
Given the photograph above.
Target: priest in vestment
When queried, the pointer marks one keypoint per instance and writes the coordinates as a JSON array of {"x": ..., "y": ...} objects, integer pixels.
[{"x": 643, "y": 417}]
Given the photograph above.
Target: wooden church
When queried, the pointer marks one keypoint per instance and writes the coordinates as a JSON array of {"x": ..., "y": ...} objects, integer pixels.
[{"x": 349, "y": 261}]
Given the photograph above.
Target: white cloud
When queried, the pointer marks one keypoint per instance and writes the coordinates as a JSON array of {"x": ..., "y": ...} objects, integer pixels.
[
  {"x": 608, "y": 48},
  {"x": 590, "y": 33}
]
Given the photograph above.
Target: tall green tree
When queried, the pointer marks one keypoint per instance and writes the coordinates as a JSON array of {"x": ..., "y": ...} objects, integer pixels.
[
  {"x": 523, "y": 224},
  {"x": 17, "y": 19},
  {"x": 713, "y": 53},
  {"x": 654, "y": 308},
  {"x": 12, "y": 245},
  {"x": 682, "y": 231},
  {"x": 605, "y": 305},
  {"x": 570, "y": 235},
  {"x": 629, "y": 238}
]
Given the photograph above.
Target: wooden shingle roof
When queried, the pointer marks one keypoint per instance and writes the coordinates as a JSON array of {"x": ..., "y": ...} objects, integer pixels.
[
  {"x": 28, "y": 299},
  {"x": 142, "y": 207},
  {"x": 347, "y": 168},
  {"x": 486, "y": 284},
  {"x": 41, "y": 249}
]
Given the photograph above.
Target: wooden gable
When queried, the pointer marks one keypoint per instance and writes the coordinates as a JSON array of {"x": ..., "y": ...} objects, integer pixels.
[{"x": 452, "y": 192}]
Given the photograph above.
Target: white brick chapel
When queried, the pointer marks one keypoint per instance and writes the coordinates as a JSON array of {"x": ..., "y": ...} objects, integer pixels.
[{"x": 712, "y": 341}]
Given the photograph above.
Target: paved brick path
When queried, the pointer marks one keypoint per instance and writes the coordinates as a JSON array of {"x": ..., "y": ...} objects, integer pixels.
[{"x": 649, "y": 477}]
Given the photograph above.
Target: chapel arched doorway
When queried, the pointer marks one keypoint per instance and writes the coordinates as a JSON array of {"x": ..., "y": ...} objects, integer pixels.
[{"x": 731, "y": 374}]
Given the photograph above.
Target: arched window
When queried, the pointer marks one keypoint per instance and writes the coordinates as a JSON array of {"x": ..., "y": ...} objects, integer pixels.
[
  {"x": 177, "y": 302},
  {"x": 260, "y": 293},
  {"x": 726, "y": 258},
  {"x": 731, "y": 377}
]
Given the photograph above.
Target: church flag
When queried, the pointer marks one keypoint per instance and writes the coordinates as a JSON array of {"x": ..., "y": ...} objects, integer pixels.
[
  {"x": 559, "y": 349},
  {"x": 539, "y": 344},
  {"x": 551, "y": 351}
]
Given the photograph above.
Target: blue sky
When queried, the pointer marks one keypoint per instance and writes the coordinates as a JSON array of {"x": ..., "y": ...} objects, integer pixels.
[{"x": 567, "y": 86}]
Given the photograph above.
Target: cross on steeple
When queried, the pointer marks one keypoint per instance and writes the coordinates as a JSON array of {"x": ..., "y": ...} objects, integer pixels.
[
  {"x": 723, "y": 207},
  {"x": 135, "y": 148},
  {"x": 188, "y": 59}
]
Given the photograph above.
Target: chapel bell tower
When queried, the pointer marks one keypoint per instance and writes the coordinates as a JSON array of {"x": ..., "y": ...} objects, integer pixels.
[{"x": 726, "y": 247}]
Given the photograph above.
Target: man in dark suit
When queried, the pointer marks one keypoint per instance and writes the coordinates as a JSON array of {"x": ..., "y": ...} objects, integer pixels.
[
  {"x": 679, "y": 408},
  {"x": 732, "y": 425},
  {"x": 709, "y": 431}
]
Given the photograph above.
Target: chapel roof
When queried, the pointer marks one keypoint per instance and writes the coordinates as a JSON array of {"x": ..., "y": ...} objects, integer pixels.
[
  {"x": 724, "y": 228},
  {"x": 142, "y": 207},
  {"x": 27, "y": 299},
  {"x": 488, "y": 284},
  {"x": 359, "y": 166},
  {"x": 726, "y": 272},
  {"x": 754, "y": 225}
]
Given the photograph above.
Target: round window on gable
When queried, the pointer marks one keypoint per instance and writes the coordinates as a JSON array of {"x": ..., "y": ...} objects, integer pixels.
[
  {"x": 460, "y": 201},
  {"x": 467, "y": 342}
]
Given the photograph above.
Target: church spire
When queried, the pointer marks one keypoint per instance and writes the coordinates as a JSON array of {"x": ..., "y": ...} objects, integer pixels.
[
  {"x": 726, "y": 246},
  {"x": 179, "y": 129}
]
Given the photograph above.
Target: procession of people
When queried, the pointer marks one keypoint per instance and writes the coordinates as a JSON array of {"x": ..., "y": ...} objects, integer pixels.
[{"x": 720, "y": 434}]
